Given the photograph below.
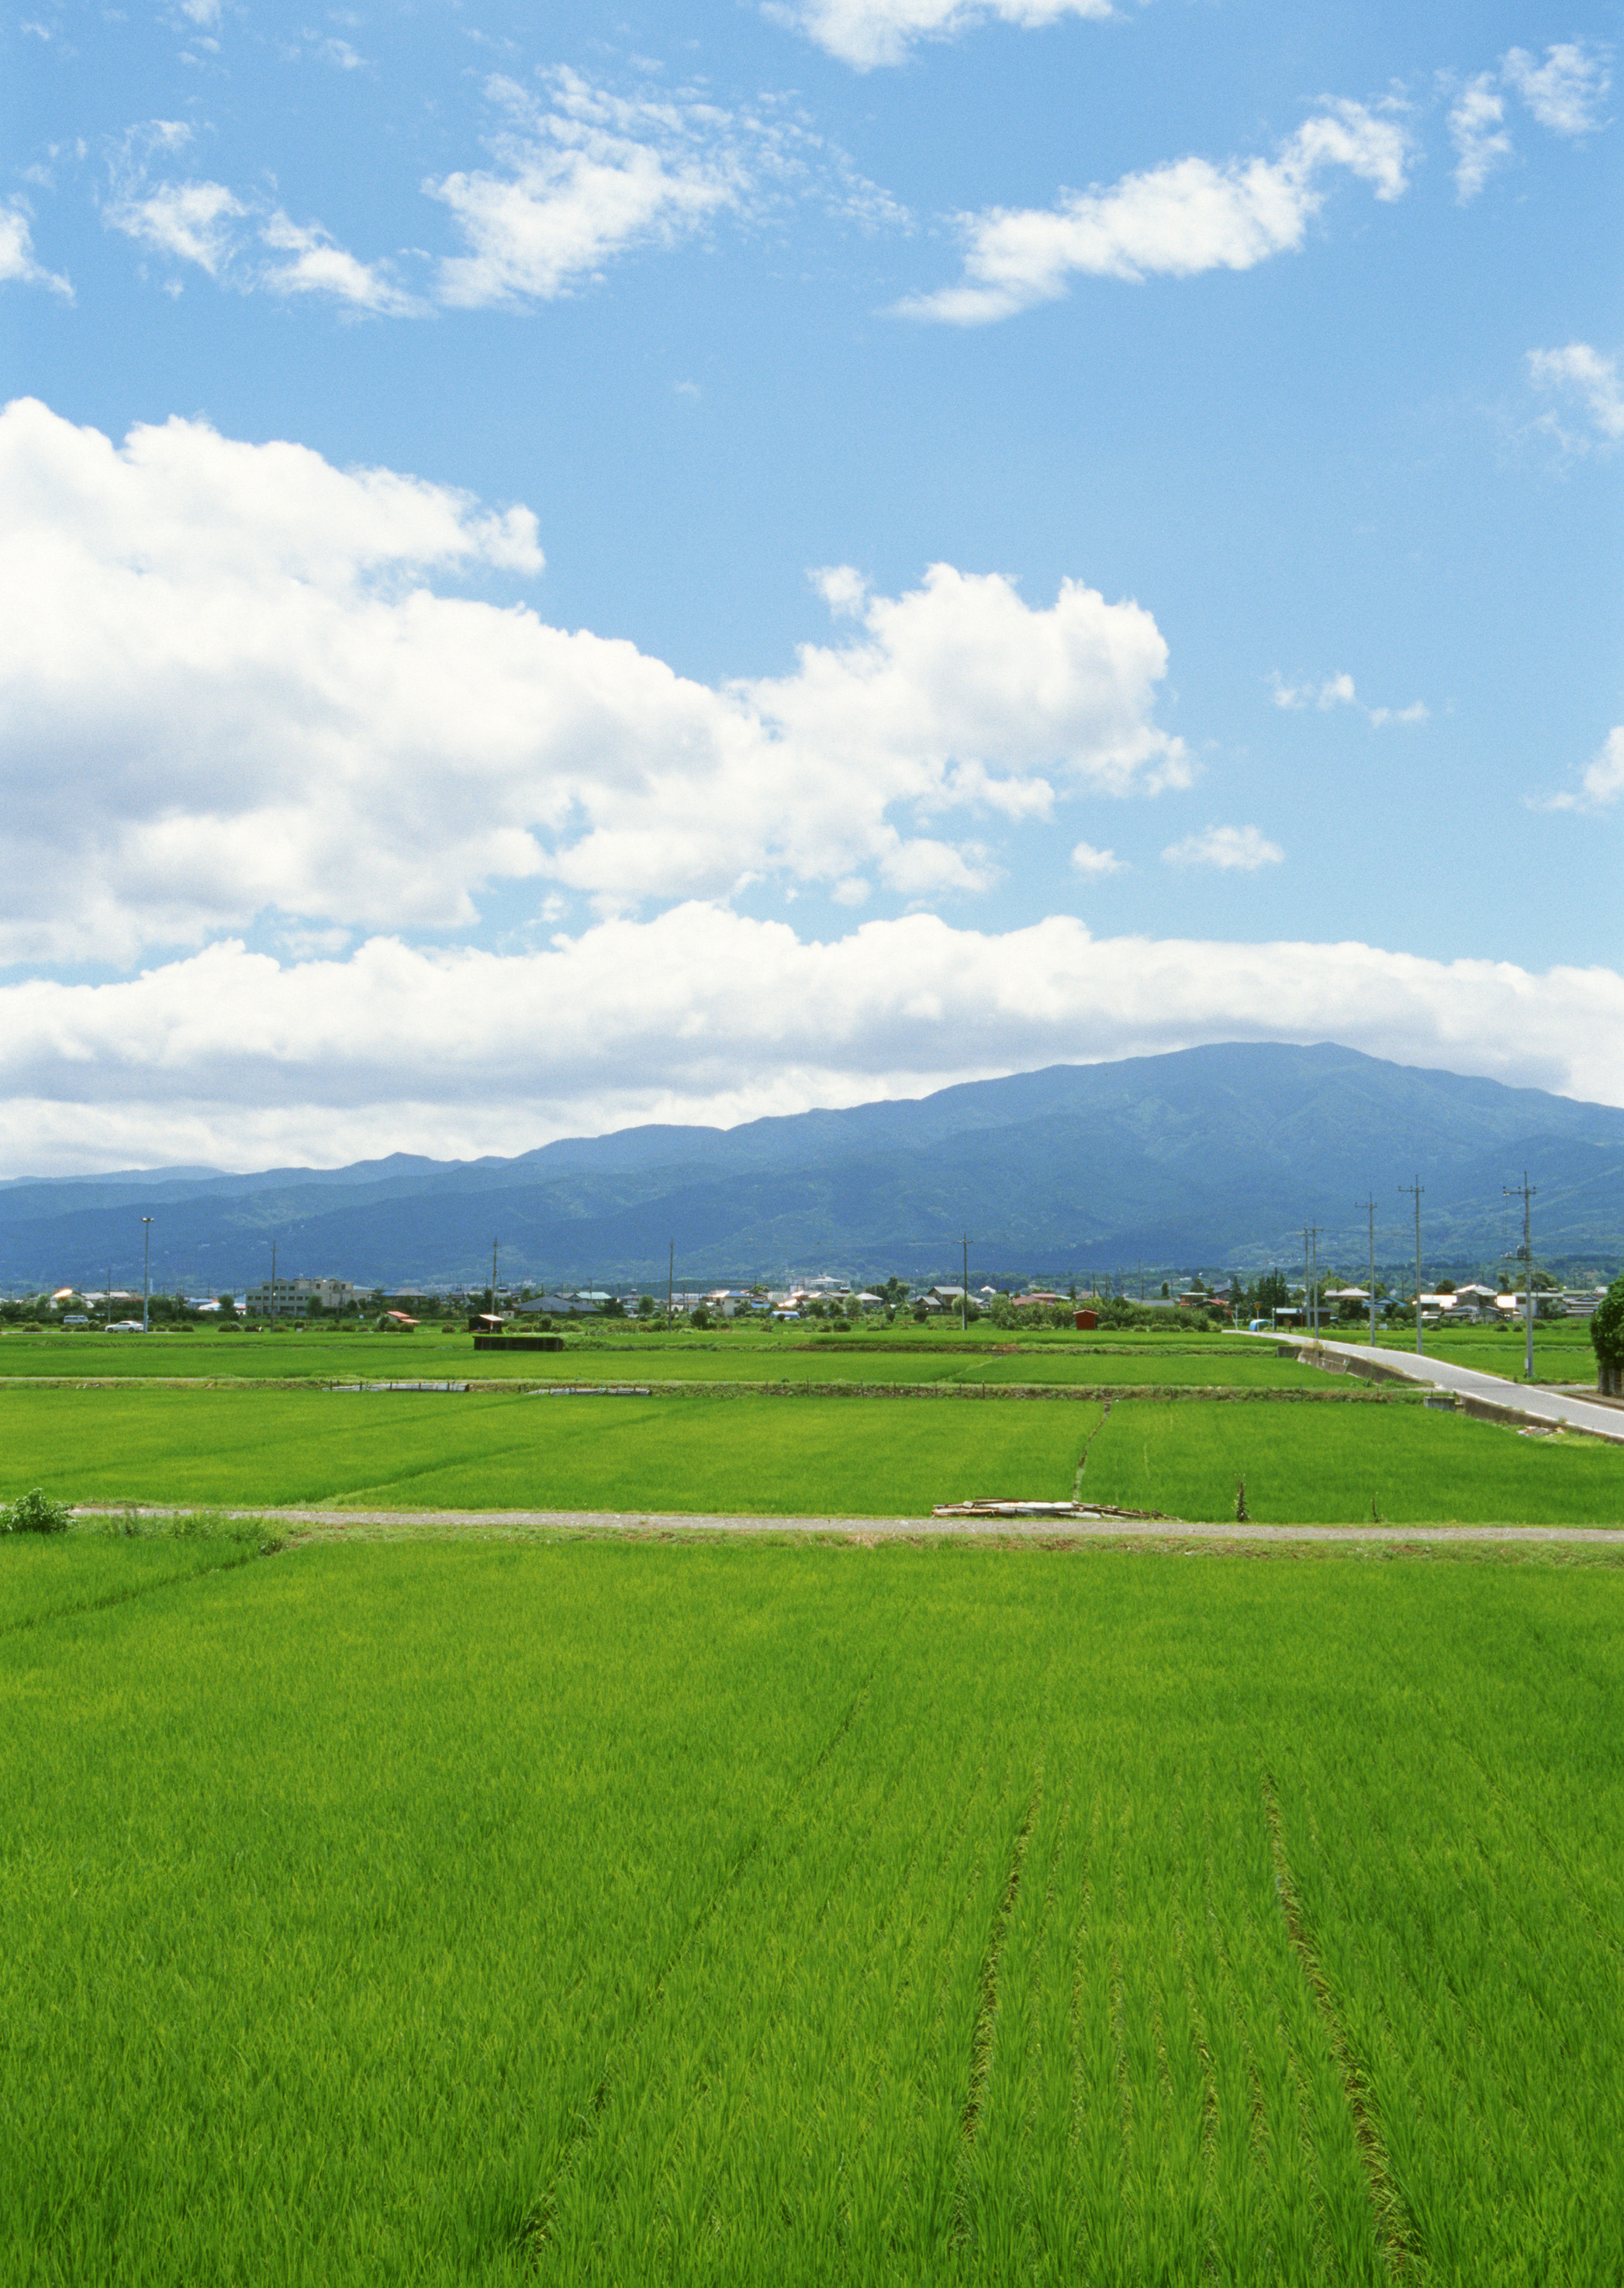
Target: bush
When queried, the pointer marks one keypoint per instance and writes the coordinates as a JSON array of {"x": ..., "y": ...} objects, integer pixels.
[{"x": 35, "y": 1511}]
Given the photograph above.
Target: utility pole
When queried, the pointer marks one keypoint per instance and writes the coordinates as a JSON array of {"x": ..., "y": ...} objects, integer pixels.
[
  {"x": 964, "y": 1291},
  {"x": 1311, "y": 1276},
  {"x": 1527, "y": 1192},
  {"x": 670, "y": 1285},
  {"x": 494, "y": 1245},
  {"x": 110, "y": 1297},
  {"x": 1369, "y": 1206},
  {"x": 272, "y": 1279},
  {"x": 1415, "y": 1191},
  {"x": 146, "y": 1275}
]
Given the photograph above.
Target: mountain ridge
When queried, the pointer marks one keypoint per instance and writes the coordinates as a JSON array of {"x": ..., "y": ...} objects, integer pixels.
[{"x": 1209, "y": 1157}]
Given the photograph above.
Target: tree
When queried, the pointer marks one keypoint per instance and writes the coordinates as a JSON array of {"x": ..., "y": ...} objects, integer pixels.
[
  {"x": 1271, "y": 1293},
  {"x": 1607, "y": 1341},
  {"x": 646, "y": 1307}
]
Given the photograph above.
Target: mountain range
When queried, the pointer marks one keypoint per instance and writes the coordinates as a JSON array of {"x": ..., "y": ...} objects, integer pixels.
[{"x": 1207, "y": 1159}]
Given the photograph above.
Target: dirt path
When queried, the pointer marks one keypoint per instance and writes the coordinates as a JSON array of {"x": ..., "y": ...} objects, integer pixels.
[{"x": 340, "y": 1524}]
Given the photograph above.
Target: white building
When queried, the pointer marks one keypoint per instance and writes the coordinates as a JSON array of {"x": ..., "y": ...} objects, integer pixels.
[{"x": 291, "y": 1298}]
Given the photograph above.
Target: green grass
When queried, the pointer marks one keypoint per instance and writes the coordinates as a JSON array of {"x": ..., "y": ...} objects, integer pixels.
[
  {"x": 725, "y": 1914},
  {"x": 1327, "y": 1465},
  {"x": 401, "y": 1451}
]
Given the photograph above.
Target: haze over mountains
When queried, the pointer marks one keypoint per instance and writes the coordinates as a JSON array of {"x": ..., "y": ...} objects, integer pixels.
[{"x": 1209, "y": 1158}]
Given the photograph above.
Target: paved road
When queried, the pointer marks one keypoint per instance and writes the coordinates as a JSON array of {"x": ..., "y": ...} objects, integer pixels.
[
  {"x": 334, "y": 1525},
  {"x": 1558, "y": 1407}
]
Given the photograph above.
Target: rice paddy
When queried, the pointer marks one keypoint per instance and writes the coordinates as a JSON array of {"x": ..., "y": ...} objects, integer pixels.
[{"x": 505, "y": 1912}]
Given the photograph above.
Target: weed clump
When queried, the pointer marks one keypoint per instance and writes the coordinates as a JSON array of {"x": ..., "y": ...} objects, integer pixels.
[{"x": 35, "y": 1511}]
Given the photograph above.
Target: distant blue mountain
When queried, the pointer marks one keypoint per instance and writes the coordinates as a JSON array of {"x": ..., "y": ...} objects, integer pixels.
[{"x": 1211, "y": 1158}]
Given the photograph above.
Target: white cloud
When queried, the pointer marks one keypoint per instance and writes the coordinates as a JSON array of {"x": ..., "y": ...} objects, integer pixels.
[
  {"x": 584, "y": 174},
  {"x": 580, "y": 179},
  {"x": 1476, "y": 130},
  {"x": 316, "y": 265},
  {"x": 1603, "y": 782},
  {"x": 865, "y": 33},
  {"x": 705, "y": 1014},
  {"x": 1566, "y": 92},
  {"x": 192, "y": 222},
  {"x": 1338, "y": 691},
  {"x": 1580, "y": 371},
  {"x": 206, "y": 224},
  {"x": 17, "y": 255},
  {"x": 1088, "y": 860},
  {"x": 1173, "y": 221},
  {"x": 229, "y": 690},
  {"x": 1231, "y": 849}
]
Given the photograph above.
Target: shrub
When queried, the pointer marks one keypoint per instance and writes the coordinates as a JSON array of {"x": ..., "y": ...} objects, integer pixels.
[{"x": 35, "y": 1511}]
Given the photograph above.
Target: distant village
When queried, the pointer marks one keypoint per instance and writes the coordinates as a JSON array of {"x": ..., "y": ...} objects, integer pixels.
[{"x": 1273, "y": 1301}]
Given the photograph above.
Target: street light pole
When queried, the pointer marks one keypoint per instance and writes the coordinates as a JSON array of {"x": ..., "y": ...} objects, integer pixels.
[
  {"x": 1416, "y": 1190},
  {"x": 146, "y": 1275},
  {"x": 1526, "y": 1192}
]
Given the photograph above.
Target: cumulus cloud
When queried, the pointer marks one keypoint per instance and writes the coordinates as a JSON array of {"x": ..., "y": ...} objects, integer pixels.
[
  {"x": 1172, "y": 221},
  {"x": 1566, "y": 93},
  {"x": 1603, "y": 782},
  {"x": 16, "y": 260},
  {"x": 1231, "y": 849},
  {"x": 1578, "y": 372},
  {"x": 866, "y": 33},
  {"x": 1477, "y": 131},
  {"x": 1338, "y": 691},
  {"x": 583, "y": 174},
  {"x": 1088, "y": 860},
  {"x": 705, "y": 1014},
  {"x": 231, "y": 690}
]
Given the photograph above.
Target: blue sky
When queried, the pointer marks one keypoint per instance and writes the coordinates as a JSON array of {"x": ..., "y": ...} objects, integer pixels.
[{"x": 694, "y": 561}]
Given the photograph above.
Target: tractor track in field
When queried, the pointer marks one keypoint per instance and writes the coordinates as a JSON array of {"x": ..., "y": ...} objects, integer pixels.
[{"x": 301, "y": 1526}]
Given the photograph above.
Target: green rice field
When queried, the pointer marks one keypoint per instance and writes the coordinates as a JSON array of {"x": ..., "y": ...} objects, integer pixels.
[
  {"x": 747, "y": 1355},
  {"x": 622, "y": 1912},
  {"x": 1326, "y": 1463},
  {"x": 859, "y": 1458},
  {"x": 1347, "y": 1464}
]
